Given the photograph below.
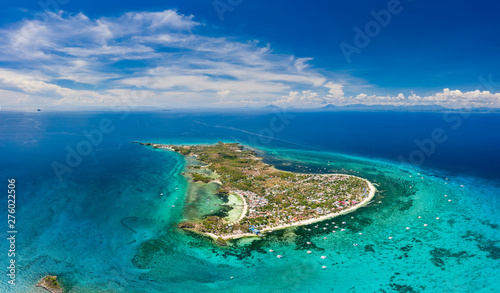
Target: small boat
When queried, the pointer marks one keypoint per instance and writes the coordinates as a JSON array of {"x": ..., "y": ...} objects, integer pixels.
[
  {"x": 407, "y": 228},
  {"x": 323, "y": 267},
  {"x": 420, "y": 217},
  {"x": 445, "y": 195},
  {"x": 279, "y": 256},
  {"x": 324, "y": 228},
  {"x": 342, "y": 229},
  {"x": 449, "y": 200},
  {"x": 390, "y": 237},
  {"x": 323, "y": 257},
  {"x": 309, "y": 252},
  {"x": 161, "y": 194},
  {"x": 232, "y": 278},
  {"x": 343, "y": 223},
  {"x": 333, "y": 231},
  {"x": 425, "y": 225},
  {"x": 308, "y": 242},
  {"x": 173, "y": 206},
  {"x": 360, "y": 233},
  {"x": 437, "y": 218},
  {"x": 270, "y": 250},
  {"x": 336, "y": 227},
  {"x": 355, "y": 244},
  {"x": 324, "y": 238}
]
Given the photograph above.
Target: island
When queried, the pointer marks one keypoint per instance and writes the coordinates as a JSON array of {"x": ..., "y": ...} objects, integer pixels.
[
  {"x": 269, "y": 198},
  {"x": 50, "y": 284}
]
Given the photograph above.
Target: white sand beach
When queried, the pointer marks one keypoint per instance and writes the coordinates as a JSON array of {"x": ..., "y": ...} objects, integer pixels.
[{"x": 364, "y": 202}]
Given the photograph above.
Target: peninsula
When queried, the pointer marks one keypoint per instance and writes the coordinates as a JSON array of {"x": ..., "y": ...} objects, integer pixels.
[{"x": 270, "y": 198}]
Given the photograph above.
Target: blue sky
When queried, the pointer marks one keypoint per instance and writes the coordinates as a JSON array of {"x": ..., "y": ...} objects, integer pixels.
[{"x": 231, "y": 53}]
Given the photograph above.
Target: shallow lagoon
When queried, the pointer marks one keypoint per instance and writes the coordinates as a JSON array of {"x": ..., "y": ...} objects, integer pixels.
[{"x": 106, "y": 228}]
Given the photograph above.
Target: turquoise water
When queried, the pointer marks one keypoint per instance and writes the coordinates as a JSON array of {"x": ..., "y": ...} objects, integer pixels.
[{"x": 105, "y": 228}]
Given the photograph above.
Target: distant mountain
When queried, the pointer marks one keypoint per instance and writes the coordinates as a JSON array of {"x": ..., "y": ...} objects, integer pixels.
[
  {"x": 353, "y": 107},
  {"x": 363, "y": 107},
  {"x": 271, "y": 107},
  {"x": 413, "y": 108}
]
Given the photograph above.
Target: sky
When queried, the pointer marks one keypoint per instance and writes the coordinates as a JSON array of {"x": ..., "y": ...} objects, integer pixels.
[{"x": 72, "y": 54}]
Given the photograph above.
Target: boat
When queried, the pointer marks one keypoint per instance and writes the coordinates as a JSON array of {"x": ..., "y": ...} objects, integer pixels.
[{"x": 279, "y": 256}]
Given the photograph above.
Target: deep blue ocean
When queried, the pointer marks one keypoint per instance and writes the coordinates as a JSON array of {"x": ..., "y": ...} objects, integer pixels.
[{"x": 88, "y": 207}]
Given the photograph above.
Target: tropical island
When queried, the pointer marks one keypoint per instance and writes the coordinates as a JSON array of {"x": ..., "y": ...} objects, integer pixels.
[
  {"x": 50, "y": 284},
  {"x": 270, "y": 198}
]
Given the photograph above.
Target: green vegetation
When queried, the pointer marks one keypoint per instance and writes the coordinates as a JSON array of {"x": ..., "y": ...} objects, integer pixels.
[
  {"x": 182, "y": 150},
  {"x": 273, "y": 197},
  {"x": 199, "y": 177},
  {"x": 50, "y": 284},
  {"x": 221, "y": 241}
]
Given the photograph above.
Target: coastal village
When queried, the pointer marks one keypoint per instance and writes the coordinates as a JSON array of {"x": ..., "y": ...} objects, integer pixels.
[{"x": 271, "y": 198}]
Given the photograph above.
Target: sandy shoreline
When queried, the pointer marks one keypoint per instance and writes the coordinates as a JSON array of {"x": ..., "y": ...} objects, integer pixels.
[{"x": 364, "y": 202}]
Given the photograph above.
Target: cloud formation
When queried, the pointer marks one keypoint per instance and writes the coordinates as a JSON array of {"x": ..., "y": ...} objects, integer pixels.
[
  {"x": 161, "y": 59},
  {"x": 155, "y": 53},
  {"x": 448, "y": 98}
]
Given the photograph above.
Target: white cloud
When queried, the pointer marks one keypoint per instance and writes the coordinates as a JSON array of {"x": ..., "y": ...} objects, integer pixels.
[
  {"x": 159, "y": 59},
  {"x": 447, "y": 98},
  {"x": 174, "y": 60}
]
